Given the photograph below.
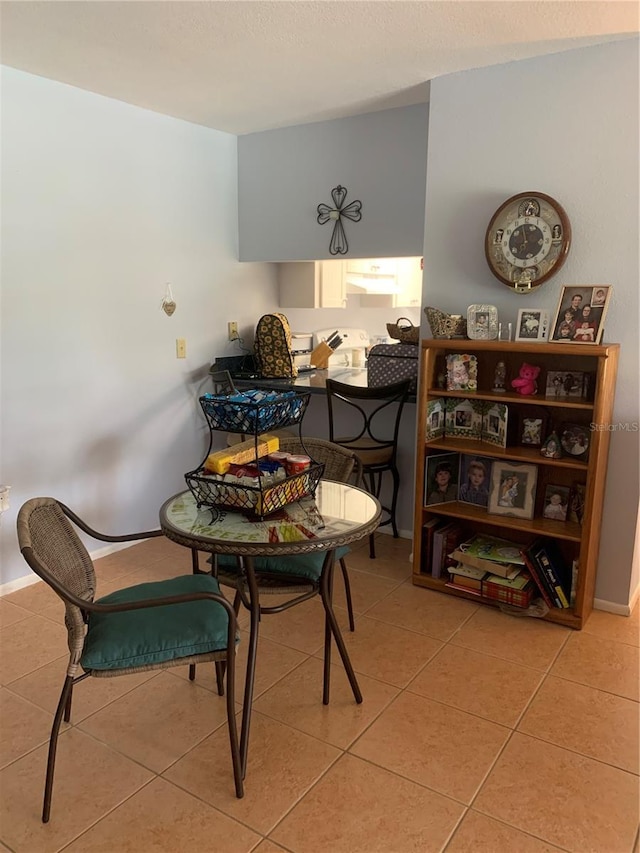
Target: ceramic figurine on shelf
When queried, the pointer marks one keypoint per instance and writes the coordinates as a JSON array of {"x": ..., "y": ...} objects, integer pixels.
[
  {"x": 499, "y": 377},
  {"x": 551, "y": 447},
  {"x": 525, "y": 383}
]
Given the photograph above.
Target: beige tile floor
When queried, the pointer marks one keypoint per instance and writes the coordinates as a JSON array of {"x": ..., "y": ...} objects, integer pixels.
[{"x": 478, "y": 732}]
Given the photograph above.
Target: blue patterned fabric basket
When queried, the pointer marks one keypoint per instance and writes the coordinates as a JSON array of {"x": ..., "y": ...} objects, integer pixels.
[{"x": 254, "y": 411}]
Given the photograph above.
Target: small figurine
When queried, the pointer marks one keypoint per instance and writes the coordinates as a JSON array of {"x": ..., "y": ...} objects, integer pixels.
[
  {"x": 551, "y": 447},
  {"x": 499, "y": 378},
  {"x": 526, "y": 383},
  {"x": 442, "y": 379}
]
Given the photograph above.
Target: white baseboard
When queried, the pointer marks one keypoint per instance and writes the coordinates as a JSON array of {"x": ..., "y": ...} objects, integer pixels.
[
  {"x": 28, "y": 580},
  {"x": 614, "y": 607}
]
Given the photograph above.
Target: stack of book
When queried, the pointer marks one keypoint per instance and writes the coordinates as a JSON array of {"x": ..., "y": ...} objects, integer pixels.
[
  {"x": 550, "y": 571},
  {"x": 441, "y": 537},
  {"x": 493, "y": 568}
]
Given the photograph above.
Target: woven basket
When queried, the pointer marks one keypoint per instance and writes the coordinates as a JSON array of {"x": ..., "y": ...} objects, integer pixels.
[
  {"x": 446, "y": 325},
  {"x": 405, "y": 334}
]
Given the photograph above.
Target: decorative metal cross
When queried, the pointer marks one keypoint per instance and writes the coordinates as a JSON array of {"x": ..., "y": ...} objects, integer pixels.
[{"x": 338, "y": 244}]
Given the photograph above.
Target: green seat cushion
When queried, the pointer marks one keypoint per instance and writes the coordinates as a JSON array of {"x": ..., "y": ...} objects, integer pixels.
[
  {"x": 156, "y": 634},
  {"x": 307, "y": 566}
]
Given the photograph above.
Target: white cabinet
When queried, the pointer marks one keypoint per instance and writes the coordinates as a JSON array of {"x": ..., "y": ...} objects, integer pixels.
[
  {"x": 379, "y": 282},
  {"x": 404, "y": 290},
  {"x": 312, "y": 284},
  {"x": 409, "y": 279}
]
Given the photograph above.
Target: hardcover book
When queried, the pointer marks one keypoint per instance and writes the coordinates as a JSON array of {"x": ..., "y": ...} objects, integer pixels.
[
  {"x": 499, "y": 556},
  {"x": 548, "y": 569},
  {"x": 552, "y": 566},
  {"x": 428, "y": 530},
  {"x": 517, "y": 591},
  {"x": 463, "y": 580},
  {"x": 445, "y": 540},
  {"x": 462, "y": 588},
  {"x": 467, "y": 571},
  {"x": 532, "y": 568}
]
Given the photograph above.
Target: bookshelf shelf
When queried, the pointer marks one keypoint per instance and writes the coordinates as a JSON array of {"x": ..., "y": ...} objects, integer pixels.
[
  {"x": 575, "y": 541},
  {"x": 508, "y": 397},
  {"x": 520, "y": 454}
]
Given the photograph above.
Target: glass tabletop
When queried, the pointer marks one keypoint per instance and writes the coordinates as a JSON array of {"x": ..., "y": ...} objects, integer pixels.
[{"x": 338, "y": 514}]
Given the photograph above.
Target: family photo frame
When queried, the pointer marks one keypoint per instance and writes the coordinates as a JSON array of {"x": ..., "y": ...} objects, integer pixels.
[
  {"x": 581, "y": 314},
  {"x": 513, "y": 489},
  {"x": 532, "y": 325}
]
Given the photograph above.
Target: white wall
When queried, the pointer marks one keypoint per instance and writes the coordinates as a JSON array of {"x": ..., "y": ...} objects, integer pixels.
[
  {"x": 284, "y": 174},
  {"x": 566, "y": 125},
  {"x": 102, "y": 203}
]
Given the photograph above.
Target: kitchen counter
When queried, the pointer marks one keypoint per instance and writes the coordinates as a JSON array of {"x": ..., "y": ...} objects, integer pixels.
[{"x": 314, "y": 380}]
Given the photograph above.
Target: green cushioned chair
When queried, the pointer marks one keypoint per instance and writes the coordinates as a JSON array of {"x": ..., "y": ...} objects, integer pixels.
[
  {"x": 297, "y": 576},
  {"x": 185, "y": 620}
]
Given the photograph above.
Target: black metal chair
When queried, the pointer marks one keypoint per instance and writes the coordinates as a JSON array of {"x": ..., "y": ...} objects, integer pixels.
[
  {"x": 367, "y": 421},
  {"x": 184, "y": 620}
]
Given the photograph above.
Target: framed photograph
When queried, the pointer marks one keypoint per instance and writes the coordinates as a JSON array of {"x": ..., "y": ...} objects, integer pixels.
[
  {"x": 513, "y": 489},
  {"x": 463, "y": 418},
  {"x": 462, "y": 372},
  {"x": 533, "y": 425},
  {"x": 576, "y": 502},
  {"x": 494, "y": 424},
  {"x": 575, "y": 440},
  {"x": 434, "y": 427},
  {"x": 482, "y": 322},
  {"x": 532, "y": 325},
  {"x": 565, "y": 383},
  {"x": 581, "y": 314},
  {"x": 475, "y": 476},
  {"x": 556, "y": 502},
  {"x": 441, "y": 478}
]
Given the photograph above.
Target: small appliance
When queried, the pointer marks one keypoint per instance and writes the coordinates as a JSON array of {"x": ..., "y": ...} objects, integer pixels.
[
  {"x": 301, "y": 347},
  {"x": 352, "y": 345}
]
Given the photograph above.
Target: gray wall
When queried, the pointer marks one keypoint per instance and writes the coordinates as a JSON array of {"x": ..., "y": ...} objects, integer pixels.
[
  {"x": 102, "y": 203},
  {"x": 566, "y": 125},
  {"x": 284, "y": 174}
]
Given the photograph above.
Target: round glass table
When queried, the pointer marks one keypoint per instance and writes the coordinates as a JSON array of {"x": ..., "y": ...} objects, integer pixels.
[{"x": 339, "y": 514}]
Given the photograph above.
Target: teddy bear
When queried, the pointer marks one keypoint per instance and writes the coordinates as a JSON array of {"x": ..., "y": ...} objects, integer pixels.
[{"x": 526, "y": 382}]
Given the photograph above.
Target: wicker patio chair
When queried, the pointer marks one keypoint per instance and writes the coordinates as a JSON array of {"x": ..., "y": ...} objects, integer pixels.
[{"x": 184, "y": 620}]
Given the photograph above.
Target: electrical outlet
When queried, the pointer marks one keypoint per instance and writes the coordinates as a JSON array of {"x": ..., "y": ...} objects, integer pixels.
[
  {"x": 233, "y": 330},
  {"x": 181, "y": 348}
]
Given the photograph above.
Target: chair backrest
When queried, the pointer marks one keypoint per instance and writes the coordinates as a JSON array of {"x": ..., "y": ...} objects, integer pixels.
[
  {"x": 365, "y": 417},
  {"x": 340, "y": 464},
  {"x": 54, "y": 551},
  {"x": 222, "y": 382}
]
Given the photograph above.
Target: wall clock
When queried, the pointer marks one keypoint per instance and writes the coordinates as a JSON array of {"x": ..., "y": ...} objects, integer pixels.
[{"x": 527, "y": 240}]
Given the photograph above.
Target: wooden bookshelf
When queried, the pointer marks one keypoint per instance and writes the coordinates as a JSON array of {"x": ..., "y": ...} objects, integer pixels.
[{"x": 577, "y": 541}]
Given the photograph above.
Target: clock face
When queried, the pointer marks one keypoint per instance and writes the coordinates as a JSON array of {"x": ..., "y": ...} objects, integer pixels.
[{"x": 527, "y": 241}]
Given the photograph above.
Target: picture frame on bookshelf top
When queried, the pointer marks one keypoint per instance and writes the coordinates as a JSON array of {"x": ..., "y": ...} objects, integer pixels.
[
  {"x": 581, "y": 313},
  {"x": 532, "y": 325}
]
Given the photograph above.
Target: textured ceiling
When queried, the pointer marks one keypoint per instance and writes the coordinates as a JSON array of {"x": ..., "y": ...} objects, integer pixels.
[{"x": 243, "y": 66}]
